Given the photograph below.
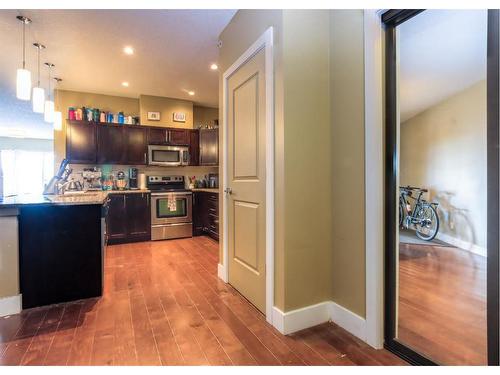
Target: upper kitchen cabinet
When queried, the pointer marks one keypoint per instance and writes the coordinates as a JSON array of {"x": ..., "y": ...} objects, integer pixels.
[
  {"x": 136, "y": 144},
  {"x": 81, "y": 142},
  {"x": 209, "y": 147},
  {"x": 168, "y": 136},
  {"x": 194, "y": 147},
  {"x": 111, "y": 144},
  {"x": 178, "y": 136}
]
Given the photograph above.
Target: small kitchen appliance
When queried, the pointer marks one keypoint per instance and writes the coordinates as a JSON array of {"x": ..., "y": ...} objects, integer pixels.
[
  {"x": 133, "y": 174},
  {"x": 171, "y": 207}
]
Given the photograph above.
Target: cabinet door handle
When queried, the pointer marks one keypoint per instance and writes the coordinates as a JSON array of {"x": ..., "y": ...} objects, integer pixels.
[
  {"x": 145, "y": 159},
  {"x": 123, "y": 200}
]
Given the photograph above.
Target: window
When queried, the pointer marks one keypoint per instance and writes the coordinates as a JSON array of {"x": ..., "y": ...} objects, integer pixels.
[{"x": 25, "y": 172}]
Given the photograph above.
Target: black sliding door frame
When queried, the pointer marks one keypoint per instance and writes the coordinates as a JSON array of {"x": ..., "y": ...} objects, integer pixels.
[{"x": 391, "y": 19}]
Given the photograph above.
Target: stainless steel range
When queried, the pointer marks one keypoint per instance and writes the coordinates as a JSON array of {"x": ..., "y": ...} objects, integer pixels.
[{"x": 171, "y": 208}]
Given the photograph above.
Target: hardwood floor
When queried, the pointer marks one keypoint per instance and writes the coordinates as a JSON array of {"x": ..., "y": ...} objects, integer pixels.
[
  {"x": 164, "y": 305},
  {"x": 442, "y": 303}
]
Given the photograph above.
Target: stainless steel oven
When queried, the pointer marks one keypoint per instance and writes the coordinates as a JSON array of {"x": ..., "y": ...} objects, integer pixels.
[
  {"x": 170, "y": 156},
  {"x": 171, "y": 208}
]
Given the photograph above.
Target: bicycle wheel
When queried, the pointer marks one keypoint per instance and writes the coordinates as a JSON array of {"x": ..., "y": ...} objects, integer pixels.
[
  {"x": 427, "y": 226},
  {"x": 401, "y": 215}
]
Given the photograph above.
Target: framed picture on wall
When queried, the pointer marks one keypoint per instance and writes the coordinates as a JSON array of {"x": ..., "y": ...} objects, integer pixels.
[
  {"x": 179, "y": 117},
  {"x": 154, "y": 116}
]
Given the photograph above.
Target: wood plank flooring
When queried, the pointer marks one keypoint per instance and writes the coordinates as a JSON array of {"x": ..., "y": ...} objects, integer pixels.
[
  {"x": 442, "y": 303},
  {"x": 164, "y": 305}
]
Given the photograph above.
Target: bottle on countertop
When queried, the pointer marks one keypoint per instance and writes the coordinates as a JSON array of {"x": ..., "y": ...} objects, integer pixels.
[
  {"x": 102, "y": 116},
  {"x": 84, "y": 114},
  {"x": 96, "y": 115},
  {"x": 121, "y": 118},
  {"x": 79, "y": 114}
]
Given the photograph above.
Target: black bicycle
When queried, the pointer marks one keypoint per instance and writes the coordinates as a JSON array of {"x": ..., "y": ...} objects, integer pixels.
[{"x": 423, "y": 215}]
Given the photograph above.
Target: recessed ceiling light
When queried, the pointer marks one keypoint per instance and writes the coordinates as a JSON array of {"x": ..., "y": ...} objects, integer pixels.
[
  {"x": 125, "y": 84},
  {"x": 214, "y": 67},
  {"x": 128, "y": 50},
  {"x": 191, "y": 93}
]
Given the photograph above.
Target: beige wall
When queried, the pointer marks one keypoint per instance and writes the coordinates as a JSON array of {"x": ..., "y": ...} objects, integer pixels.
[
  {"x": 348, "y": 168},
  {"x": 319, "y": 151},
  {"x": 9, "y": 253},
  {"x": 166, "y": 107},
  {"x": 204, "y": 116},
  {"x": 443, "y": 149},
  {"x": 308, "y": 158}
]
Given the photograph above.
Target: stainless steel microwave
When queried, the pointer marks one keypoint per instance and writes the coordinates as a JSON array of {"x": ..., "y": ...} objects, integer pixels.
[{"x": 168, "y": 156}]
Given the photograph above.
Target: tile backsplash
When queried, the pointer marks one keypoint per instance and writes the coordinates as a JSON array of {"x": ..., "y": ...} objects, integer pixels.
[{"x": 197, "y": 171}]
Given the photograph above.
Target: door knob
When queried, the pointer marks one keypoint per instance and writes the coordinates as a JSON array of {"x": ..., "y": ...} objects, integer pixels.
[{"x": 228, "y": 191}]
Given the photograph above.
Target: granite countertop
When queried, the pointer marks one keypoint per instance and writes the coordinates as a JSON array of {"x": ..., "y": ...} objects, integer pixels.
[
  {"x": 208, "y": 190},
  {"x": 85, "y": 198}
]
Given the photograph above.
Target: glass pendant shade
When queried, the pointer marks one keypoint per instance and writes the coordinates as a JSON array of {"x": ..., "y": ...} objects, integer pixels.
[
  {"x": 48, "y": 115},
  {"x": 23, "y": 84},
  {"x": 57, "y": 120},
  {"x": 38, "y": 99}
]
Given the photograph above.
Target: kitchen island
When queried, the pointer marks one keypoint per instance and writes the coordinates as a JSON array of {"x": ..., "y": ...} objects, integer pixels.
[{"x": 60, "y": 246}]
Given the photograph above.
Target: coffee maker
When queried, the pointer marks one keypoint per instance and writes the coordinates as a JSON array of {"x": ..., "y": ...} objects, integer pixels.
[{"x": 133, "y": 174}]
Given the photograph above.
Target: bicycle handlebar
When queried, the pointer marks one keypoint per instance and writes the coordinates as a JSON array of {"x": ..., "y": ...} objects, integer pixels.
[{"x": 413, "y": 188}]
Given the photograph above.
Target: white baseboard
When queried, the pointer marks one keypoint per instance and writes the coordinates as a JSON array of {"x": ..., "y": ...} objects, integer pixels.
[
  {"x": 461, "y": 244},
  {"x": 348, "y": 320},
  {"x": 305, "y": 317},
  {"x": 310, "y": 316},
  {"x": 10, "y": 305},
  {"x": 221, "y": 272}
]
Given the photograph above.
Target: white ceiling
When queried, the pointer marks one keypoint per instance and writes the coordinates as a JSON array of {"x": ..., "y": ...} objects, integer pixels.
[
  {"x": 173, "y": 53},
  {"x": 442, "y": 52}
]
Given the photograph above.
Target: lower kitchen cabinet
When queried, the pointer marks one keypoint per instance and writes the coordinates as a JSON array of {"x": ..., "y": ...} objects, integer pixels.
[
  {"x": 206, "y": 214},
  {"x": 128, "y": 218}
]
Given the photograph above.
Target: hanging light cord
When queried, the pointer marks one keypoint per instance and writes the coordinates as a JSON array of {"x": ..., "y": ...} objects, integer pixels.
[
  {"x": 38, "y": 66},
  {"x": 50, "y": 68},
  {"x": 24, "y": 44}
]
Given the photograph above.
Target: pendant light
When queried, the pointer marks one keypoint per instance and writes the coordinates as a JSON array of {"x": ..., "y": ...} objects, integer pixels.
[
  {"x": 23, "y": 79},
  {"x": 48, "y": 115},
  {"x": 57, "y": 114},
  {"x": 38, "y": 97}
]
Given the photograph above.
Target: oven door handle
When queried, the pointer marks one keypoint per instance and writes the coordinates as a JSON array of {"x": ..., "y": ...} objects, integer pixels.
[{"x": 177, "y": 193}]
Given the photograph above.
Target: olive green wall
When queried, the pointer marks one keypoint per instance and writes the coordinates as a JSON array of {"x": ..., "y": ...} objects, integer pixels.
[
  {"x": 204, "y": 116},
  {"x": 166, "y": 107},
  {"x": 308, "y": 158},
  {"x": 319, "y": 150},
  {"x": 348, "y": 158}
]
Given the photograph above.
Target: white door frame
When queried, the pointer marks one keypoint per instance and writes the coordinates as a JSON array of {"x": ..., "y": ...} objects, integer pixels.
[
  {"x": 265, "y": 41},
  {"x": 374, "y": 176}
]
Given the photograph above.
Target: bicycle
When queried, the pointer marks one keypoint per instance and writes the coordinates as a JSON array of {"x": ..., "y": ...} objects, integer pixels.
[{"x": 423, "y": 215}]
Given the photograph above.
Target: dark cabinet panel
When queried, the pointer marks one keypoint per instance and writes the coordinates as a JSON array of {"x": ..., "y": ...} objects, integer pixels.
[
  {"x": 116, "y": 219},
  {"x": 129, "y": 218},
  {"x": 81, "y": 142},
  {"x": 194, "y": 147},
  {"x": 136, "y": 146},
  {"x": 60, "y": 254},
  {"x": 111, "y": 144},
  {"x": 178, "y": 136},
  {"x": 138, "y": 216},
  {"x": 157, "y": 136},
  {"x": 209, "y": 147},
  {"x": 206, "y": 214}
]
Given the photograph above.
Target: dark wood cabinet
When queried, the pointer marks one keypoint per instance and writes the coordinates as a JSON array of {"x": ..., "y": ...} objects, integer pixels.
[
  {"x": 116, "y": 219},
  {"x": 209, "y": 147},
  {"x": 157, "y": 136},
  {"x": 111, "y": 144},
  {"x": 136, "y": 145},
  {"x": 206, "y": 214},
  {"x": 81, "y": 142},
  {"x": 128, "y": 218},
  {"x": 194, "y": 147},
  {"x": 178, "y": 137}
]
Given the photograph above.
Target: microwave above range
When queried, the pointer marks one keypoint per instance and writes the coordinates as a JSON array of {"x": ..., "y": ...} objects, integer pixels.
[{"x": 168, "y": 156}]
